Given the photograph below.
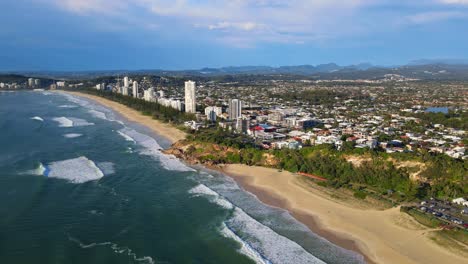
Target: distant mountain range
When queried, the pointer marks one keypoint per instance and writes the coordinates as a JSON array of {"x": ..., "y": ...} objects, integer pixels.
[{"x": 419, "y": 69}]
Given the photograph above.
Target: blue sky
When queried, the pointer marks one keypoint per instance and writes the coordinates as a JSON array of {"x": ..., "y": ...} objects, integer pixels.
[{"x": 188, "y": 34}]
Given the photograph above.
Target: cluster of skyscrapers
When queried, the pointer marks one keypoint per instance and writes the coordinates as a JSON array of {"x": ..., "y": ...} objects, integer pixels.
[{"x": 188, "y": 104}]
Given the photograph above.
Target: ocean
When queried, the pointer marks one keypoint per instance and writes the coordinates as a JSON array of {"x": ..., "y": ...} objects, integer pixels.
[{"x": 80, "y": 184}]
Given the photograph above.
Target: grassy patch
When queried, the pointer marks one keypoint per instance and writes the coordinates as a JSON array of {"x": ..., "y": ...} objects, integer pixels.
[
  {"x": 422, "y": 218},
  {"x": 360, "y": 194}
]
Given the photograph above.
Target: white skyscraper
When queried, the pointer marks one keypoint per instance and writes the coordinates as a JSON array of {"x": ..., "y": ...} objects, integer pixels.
[
  {"x": 135, "y": 89},
  {"x": 235, "y": 109},
  {"x": 30, "y": 82},
  {"x": 212, "y": 111},
  {"x": 149, "y": 95},
  {"x": 190, "y": 103},
  {"x": 126, "y": 83}
]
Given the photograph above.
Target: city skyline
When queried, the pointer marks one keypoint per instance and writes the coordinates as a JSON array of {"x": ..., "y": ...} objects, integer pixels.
[{"x": 75, "y": 35}]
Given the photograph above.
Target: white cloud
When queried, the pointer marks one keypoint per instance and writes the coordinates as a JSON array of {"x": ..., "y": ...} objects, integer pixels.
[
  {"x": 246, "y": 22},
  {"x": 431, "y": 17},
  {"x": 454, "y": 2}
]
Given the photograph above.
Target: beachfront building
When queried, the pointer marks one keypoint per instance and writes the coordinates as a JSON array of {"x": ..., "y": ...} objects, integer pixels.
[
  {"x": 235, "y": 109},
  {"x": 169, "y": 102},
  {"x": 149, "y": 95},
  {"x": 135, "y": 89},
  {"x": 126, "y": 82},
  {"x": 190, "y": 103}
]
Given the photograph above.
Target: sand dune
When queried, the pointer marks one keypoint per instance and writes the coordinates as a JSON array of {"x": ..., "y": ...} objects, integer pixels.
[{"x": 383, "y": 236}]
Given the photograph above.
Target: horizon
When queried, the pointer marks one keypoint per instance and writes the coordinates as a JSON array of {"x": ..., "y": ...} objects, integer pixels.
[
  {"x": 104, "y": 35},
  {"x": 410, "y": 63}
]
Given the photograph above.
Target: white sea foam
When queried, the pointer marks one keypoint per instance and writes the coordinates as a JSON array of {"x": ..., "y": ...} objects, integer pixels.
[
  {"x": 245, "y": 248},
  {"x": 40, "y": 170},
  {"x": 106, "y": 167},
  {"x": 71, "y": 122},
  {"x": 203, "y": 190},
  {"x": 37, "y": 118},
  {"x": 271, "y": 245},
  {"x": 72, "y": 135},
  {"x": 68, "y": 106},
  {"x": 128, "y": 138},
  {"x": 96, "y": 110},
  {"x": 97, "y": 114},
  {"x": 152, "y": 148},
  {"x": 78, "y": 170},
  {"x": 63, "y": 121},
  {"x": 116, "y": 248},
  {"x": 80, "y": 122},
  {"x": 255, "y": 237}
]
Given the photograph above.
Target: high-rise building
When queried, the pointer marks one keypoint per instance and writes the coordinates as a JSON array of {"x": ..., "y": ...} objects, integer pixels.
[
  {"x": 149, "y": 95},
  {"x": 212, "y": 112},
  {"x": 37, "y": 82},
  {"x": 135, "y": 89},
  {"x": 124, "y": 90},
  {"x": 242, "y": 125},
  {"x": 126, "y": 82},
  {"x": 190, "y": 103},
  {"x": 30, "y": 82},
  {"x": 235, "y": 109}
]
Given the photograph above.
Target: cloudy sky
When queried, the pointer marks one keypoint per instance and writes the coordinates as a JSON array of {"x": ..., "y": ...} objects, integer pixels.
[{"x": 187, "y": 34}]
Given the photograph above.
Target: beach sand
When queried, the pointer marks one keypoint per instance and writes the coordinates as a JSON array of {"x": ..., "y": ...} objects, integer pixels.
[
  {"x": 163, "y": 129},
  {"x": 383, "y": 236}
]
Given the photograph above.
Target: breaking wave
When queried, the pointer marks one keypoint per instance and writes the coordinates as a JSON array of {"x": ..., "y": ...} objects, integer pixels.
[
  {"x": 71, "y": 122},
  {"x": 97, "y": 114},
  {"x": 67, "y": 106},
  {"x": 78, "y": 170},
  {"x": 63, "y": 121},
  {"x": 128, "y": 138},
  {"x": 245, "y": 248},
  {"x": 72, "y": 135},
  {"x": 37, "y": 118},
  {"x": 152, "y": 148},
  {"x": 94, "y": 109},
  {"x": 258, "y": 241}
]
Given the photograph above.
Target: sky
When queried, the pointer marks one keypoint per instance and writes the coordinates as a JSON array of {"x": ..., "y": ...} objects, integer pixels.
[{"x": 77, "y": 35}]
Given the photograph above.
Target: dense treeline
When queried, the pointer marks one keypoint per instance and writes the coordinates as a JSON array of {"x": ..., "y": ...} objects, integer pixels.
[
  {"x": 453, "y": 119},
  {"x": 446, "y": 177},
  {"x": 157, "y": 111}
]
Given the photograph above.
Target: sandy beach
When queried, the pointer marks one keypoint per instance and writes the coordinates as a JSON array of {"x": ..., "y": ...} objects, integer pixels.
[
  {"x": 166, "y": 130},
  {"x": 383, "y": 236}
]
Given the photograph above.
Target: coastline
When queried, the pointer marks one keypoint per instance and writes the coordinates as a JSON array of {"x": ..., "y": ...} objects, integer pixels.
[
  {"x": 167, "y": 131},
  {"x": 386, "y": 236},
  {"x": 377, "y": 235}
]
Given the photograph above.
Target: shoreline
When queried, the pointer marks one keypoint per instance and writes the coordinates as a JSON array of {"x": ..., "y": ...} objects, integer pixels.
[
  {"x": 311, "y": 221},
  {"x": 381, "y": 236},
  {"x": 165, "y": 130},
  {"x": 359, "y": 231}
]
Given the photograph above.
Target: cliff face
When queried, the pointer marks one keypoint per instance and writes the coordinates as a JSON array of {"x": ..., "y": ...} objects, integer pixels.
[
  {"x": 201, "y": 153},
  {"x": 210, "y": 154}
]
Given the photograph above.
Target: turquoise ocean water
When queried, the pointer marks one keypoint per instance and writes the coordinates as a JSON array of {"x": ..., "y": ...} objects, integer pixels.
[{"x": 80, "y": 184}]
